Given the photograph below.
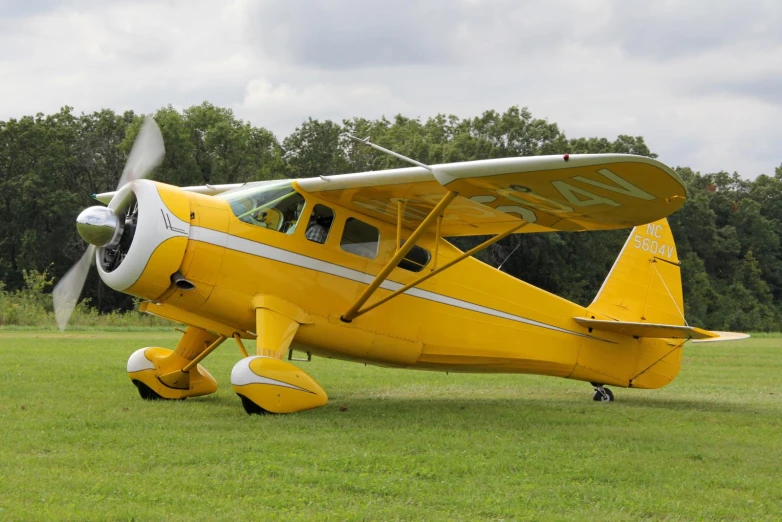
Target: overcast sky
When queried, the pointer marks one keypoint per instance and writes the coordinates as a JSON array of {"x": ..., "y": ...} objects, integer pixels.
[{"x": 700, "y": 80}]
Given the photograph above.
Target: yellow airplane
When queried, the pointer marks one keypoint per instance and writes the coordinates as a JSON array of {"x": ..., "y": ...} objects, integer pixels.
[{"x": 356, "y": 267}]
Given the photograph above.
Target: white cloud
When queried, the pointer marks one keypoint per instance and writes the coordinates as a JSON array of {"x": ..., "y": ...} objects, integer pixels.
[
  {"x": 129, "y": 55},
  {"x": 275, "y": 106},
  {"x": 699, "y": 80}
]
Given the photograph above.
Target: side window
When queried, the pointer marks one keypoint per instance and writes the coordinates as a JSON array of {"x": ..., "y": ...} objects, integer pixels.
[
  {"x": 360, "y": 239},
  {"x": 416, "y": 259},
  {"x": 319, "y": 225}
]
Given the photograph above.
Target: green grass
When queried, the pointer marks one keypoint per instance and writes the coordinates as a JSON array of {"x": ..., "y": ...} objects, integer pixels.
[{"x": 76, "y": 442}]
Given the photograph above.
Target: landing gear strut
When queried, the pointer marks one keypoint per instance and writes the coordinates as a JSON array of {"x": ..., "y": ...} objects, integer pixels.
[
  {"x": 265, "y": 382},
  {"x": 159, "y": 373},
  {"x": 602, "y": 394}
]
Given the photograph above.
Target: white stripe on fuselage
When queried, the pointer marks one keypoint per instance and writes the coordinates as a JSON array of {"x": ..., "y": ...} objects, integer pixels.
[{"x": 239, "y": 244}]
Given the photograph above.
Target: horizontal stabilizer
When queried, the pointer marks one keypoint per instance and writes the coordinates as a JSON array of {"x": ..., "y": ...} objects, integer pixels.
[
  {"x": 655, "y": 331},
  {"x": 723, "y": 336}
]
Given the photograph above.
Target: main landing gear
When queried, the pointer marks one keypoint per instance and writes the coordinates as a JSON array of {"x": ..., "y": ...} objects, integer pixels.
[
  {"x": 265, "y": 382},
  {"x": 602, "y": 394},
  {"x": 159, "y": 373}
]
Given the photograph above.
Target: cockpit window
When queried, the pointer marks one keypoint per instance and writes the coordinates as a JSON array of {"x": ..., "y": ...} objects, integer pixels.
[{"x": 269, "y": 204}]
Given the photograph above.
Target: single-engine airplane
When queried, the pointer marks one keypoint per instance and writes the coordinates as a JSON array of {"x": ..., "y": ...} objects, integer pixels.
[{"x": 356, "y": 267}]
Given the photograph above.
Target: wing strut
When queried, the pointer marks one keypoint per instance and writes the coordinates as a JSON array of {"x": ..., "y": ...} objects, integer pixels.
[
  {"x": 400, "y": 211},
  {"x": 433, "y": 273},
  {"x": 401, "y": 252}
]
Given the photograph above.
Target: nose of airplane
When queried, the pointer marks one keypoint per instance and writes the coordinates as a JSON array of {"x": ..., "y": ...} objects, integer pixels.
[{"x": 148, "y": 239}]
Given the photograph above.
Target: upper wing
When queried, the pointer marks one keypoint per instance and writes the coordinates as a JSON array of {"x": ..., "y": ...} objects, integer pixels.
[{"x": 551, "y": 193}]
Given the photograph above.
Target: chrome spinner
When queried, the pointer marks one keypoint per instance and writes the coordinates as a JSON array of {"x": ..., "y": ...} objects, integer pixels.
[{"x": 100, "y": 226}]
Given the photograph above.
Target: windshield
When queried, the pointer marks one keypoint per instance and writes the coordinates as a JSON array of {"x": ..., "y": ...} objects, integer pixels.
[{"x": 269, "y": 204}]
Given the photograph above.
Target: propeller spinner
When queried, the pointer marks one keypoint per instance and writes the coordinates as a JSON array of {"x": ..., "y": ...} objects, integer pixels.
[
  {"x": 103, "y": 226},
  {"x": 100, "y": 226}
]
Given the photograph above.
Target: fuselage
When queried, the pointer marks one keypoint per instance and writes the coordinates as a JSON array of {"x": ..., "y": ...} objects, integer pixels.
[{"x": 469, "y": 318}]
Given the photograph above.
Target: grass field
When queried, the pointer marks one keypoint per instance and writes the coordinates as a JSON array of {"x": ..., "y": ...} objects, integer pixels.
[{"x": 76, "y": 442}]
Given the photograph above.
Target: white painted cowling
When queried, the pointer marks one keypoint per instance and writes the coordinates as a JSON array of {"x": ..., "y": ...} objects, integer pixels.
[{"x": 156, "y": 224}]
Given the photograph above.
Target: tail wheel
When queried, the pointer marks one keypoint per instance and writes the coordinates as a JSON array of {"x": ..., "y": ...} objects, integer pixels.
[{"x": 603, "y": 395}]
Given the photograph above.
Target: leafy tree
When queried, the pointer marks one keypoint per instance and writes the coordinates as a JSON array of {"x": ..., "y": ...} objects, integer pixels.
[
  {"x": 728, "y": 233},
  {"x": 699, "y": 296},
  {"x": 314, "y": 149},
  {"x": 208, "y": 145}
]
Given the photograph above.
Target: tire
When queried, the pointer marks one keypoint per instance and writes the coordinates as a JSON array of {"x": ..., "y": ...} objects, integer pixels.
[
  {"x": 147, "y": 393},
  {"x": 600, "y": 397},
  {"x": 251, "y": 408}
]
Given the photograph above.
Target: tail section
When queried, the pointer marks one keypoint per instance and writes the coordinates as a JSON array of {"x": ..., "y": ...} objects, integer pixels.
[
  {"x": 641, "y": 305},
  {"x": 644, "y": 285}
]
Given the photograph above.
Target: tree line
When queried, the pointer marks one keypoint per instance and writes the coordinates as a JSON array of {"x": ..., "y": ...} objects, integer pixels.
[{"x": 728, "y": 232}]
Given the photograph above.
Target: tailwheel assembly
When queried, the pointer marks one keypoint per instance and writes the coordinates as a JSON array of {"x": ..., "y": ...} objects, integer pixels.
[{"x": 602, "y": 394}]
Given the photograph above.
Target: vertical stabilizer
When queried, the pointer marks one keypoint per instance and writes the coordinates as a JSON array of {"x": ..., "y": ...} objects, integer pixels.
[{"x": 644, "y": 285}]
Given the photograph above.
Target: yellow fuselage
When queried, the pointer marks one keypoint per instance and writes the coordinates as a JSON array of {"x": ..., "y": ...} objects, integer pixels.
[{"x": 470, "y": 318}]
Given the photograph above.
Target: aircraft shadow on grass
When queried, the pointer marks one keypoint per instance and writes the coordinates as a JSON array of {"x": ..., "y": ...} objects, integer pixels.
[{"x": 434, "y": 410}]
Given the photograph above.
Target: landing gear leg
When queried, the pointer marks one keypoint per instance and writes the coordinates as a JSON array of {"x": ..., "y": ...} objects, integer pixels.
[
  {"x": 265, "y": 382},
  {"x": 602, "y": 394},
  {"x": 159, "y": 373}
]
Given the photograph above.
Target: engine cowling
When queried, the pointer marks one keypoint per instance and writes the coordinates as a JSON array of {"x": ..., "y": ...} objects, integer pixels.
[{"x": 152, "y": 245}]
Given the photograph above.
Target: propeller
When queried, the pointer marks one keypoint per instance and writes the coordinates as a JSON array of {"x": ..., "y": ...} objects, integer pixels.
[
  {"x": 68, "y": 290},
  {"x": 98, "y": 227}
]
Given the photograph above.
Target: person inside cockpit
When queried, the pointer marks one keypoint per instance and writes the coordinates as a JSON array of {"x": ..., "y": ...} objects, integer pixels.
[
  {"x": 319, "y": 225},
  {"x": 292, "y": 215},
  {"x": 273, "y": 205}
]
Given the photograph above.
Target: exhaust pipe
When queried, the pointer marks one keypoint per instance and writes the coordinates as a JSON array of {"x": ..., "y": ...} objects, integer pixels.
[{"x": 180, "y": 282}]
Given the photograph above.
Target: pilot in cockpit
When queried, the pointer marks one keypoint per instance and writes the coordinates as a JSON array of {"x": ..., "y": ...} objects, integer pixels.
[
  {"x": 319, "y": 224},
  {"x": 292, "y": 216}
]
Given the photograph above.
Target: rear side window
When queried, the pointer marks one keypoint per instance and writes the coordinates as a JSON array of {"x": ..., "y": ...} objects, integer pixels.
[
  {"x": 360, "y": 239},
  {"x": 416, "y": 259},
  {"x": 320, "y": 224}
]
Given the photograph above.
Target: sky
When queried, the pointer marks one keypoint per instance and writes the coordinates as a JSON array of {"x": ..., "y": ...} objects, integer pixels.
[{"x": 701, "y": 81}]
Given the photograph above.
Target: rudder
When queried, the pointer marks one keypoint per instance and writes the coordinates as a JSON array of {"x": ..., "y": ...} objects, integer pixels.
[{"x": 644, "y": 285}]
